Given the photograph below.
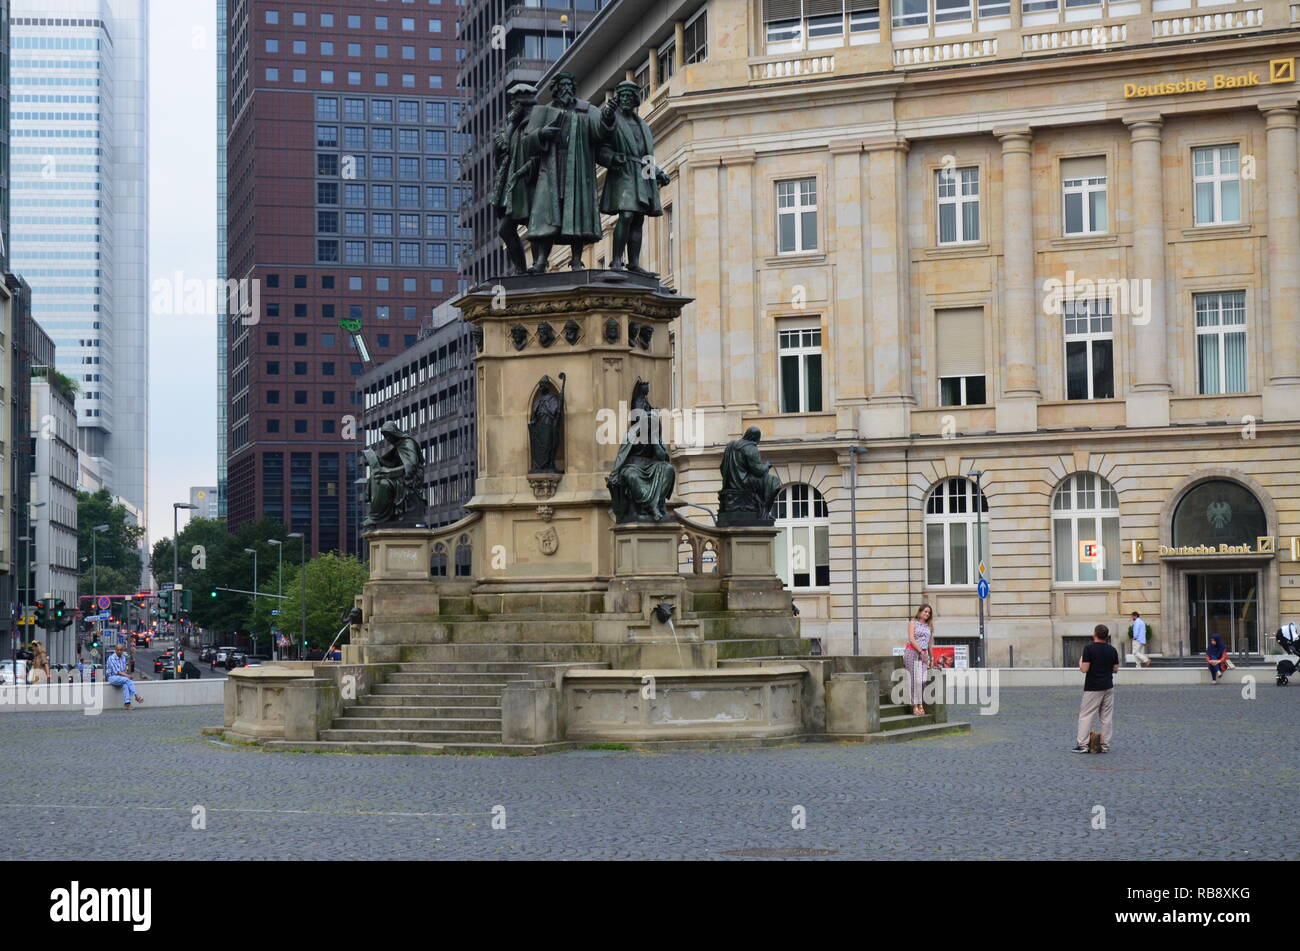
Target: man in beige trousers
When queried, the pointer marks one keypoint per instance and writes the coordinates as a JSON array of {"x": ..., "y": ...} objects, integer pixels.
[{"x": 1099, "y": 664}]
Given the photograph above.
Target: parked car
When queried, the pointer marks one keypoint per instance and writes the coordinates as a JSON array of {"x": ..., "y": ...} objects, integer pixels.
[
  {"x": 13, "y": 672},
  {"x": 235, "y": 658}
]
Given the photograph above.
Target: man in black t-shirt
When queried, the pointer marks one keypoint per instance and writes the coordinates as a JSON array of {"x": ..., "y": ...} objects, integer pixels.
[{"x": 1099, "y": 664}]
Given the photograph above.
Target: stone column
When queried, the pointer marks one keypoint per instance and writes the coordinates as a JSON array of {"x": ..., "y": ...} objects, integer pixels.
[
  {"x": 1017, "y": 404},
  {"x": 739, "y": 322},
  {"x": 886, "y": 414},
  {"x": 654, "y": 70},
  {"x": 679, "y": 46},
  {"x": 1148, "y": 398},
  {"x": 887, "y": 27},
  {"x": 1282, "y": 391},
  {"x": 848, "y": 321}
]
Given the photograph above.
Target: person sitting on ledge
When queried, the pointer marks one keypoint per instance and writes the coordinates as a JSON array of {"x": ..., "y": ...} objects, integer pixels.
[{"x": 115, "y": 673}]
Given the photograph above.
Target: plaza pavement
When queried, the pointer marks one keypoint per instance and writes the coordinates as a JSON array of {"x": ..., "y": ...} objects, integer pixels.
[{"x": 125, "y": 784}]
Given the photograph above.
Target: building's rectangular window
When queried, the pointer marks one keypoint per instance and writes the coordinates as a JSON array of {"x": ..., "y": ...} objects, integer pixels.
[
  {"x": 796, "y": 215},
  {"x": 381, "y": 224},
  {"x": 327, "y": 163},
  {"x": 911, "y": 13},
  {"x": 354, "y": 196},
  {"x": 408, "y": 140},
  {"x": 1089, "y": 349},
  {"x": 409, "y": 226},
  {"x": 327, "y": 222},
  {"x": 382, "y": 252},
  {"x": 1216, "y": 180},
  {"x": 327, "y": 136},
  {"x": 381, "y": 140},
  {"x": 959, "y": 339},
  {"x": 354, "y": 110},
  {"x": 864, "y": 15},
  {"x": 354, "y": 222},
  {"x": 1083, "y": 192},
  {"x": 354, "y": 252},
  {"x": 1221, "y": 342},
  {"x": 952, "y": 11},
  {"x": 327, "y": 251},
  {"x": 1038, "y": 6},
  {"x": 327, "y": 193},
  {"x": 354, "y": 137},
  {"x": 959, "y": 204},
  {"x": 800, "y": 367}
]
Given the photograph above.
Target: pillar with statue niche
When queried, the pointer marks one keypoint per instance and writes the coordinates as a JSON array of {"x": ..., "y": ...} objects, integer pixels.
[{"x": 558, "y": 358}]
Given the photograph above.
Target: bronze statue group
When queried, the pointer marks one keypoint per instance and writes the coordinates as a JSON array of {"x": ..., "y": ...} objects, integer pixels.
[{"x": 546, "y": 159}]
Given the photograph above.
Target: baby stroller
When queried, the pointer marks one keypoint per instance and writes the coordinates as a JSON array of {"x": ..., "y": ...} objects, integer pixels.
[{"x": 1289, "y": 639}]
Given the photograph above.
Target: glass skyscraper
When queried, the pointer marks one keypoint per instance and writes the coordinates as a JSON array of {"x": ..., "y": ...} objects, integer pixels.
[{"x": 79, "y": 133}]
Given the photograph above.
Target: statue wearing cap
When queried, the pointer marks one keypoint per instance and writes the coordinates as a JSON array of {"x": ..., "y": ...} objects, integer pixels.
[
  {"x": 395, "y": 487},
  {"x": 633, "y": 180},
  {"x": 516, "y": 172},
  {"x": 562, "y": 136}
]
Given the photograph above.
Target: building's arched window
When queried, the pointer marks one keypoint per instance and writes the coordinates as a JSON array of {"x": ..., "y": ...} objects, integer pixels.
[
  {"x": 1085, "y": 529},
  {"x": 951, "y": 518},
  {"x": 803, "y": 558},
  {"x": 1219, "y": 512}
]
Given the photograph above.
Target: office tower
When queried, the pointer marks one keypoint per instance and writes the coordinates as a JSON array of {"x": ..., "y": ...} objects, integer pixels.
[
  {"x": 341, "y": 208},
  {"x": 205, "y": 500},
  {"x": 79, "y": 132},
  {"x": 222, "y": 125},
  {"x": 506, "y": 43}
]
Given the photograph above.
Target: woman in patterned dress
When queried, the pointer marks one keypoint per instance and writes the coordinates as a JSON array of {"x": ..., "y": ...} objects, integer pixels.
[{"x": 917, "y": 656}]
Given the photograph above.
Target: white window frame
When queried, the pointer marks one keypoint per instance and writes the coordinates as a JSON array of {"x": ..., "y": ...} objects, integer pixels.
[
  {"x": 815, "y": 514},
  {"x": 1085, "y": 188},
  {"x": 1216, "y": 178},
  {"x": 955, "y": 188},
  {"x": 1106, "y": 506},
  {"x": 793, "y": 191},
  {"x": 1097, "y": 321},
  {"x": 941, "y": 493},
  {"x": 965, "y": 400},
  {"x": 1221, "y": 329},
  {"x": 801, "y": 342}
]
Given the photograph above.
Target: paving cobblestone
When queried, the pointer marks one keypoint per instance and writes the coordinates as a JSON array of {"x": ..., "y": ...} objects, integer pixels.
[{"x": 126, "y": 784}]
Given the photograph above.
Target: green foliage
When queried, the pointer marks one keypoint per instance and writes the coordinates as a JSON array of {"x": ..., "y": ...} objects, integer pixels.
[
  {"x": 117, "y": 550},
  {"x": 333, "y": 581}
]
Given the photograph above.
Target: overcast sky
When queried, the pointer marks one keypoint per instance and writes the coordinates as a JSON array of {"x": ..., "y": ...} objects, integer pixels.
[{"x": 183, "y": 237}]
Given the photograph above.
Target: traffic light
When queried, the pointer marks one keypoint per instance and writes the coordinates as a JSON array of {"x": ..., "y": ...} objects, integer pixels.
[
  {"x": 187, "y": 600},
  {"x": 42, "y": 614},
  {"x": 213, "y": 594},
  {"x": 60, "y": 615}
]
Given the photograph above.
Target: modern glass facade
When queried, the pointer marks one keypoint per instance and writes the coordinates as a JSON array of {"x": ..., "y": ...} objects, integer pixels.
[{"x": 80, "y": 213}]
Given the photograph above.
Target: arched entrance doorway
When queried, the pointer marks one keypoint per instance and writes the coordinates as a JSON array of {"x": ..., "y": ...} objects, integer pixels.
[{"x": 1221, "y": 564}]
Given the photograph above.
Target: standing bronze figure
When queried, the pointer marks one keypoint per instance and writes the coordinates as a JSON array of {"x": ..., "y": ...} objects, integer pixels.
[
  {"x": 562, "y": 136},
  {"x": 642, "y": 478},
  {"x": 516, "y": 172},
  {"x": 749, "y": 486},
  {"x": 395, "y": 487},
  {"x": 546, "y": 426},
  {"x": 633, "y": 179}
]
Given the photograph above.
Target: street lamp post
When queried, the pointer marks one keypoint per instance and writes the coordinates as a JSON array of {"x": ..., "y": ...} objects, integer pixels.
[
  {"x": 94, "y": 582},
  {"x": 176, "y": 577},
  {"x": 977, "y": 475},
  {"x": 279, "y": 580},
  {"x": 302, "y": 590},
  {"x": 253, "y": 552}
]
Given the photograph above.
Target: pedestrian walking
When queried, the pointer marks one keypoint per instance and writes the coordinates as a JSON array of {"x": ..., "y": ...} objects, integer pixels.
[
  {"x": 916, "y": 658},
  {"x": 1216, "y": 657},
  {"x": 115, "y": 674},
  {"x": 1139, "y": 632},
  {"x": 1099, "y": 664},
  {"x": 40, "y": 665}
]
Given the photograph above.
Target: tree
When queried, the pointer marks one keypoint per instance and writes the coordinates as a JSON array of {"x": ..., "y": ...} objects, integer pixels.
[
  {"x": 333, "y": 582},
  {"x": 115, "y": 551}
]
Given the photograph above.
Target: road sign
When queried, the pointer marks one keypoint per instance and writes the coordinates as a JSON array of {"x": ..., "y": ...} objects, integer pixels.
[
  {"x": 983, "y": 569},
  {"x": 104, "y": 602},
  {"x": 274, "y": 613},
  {"x": 983, "y": 588},
  {"x": 106, "y": 616},
  {"x": 28, "y": 621}
]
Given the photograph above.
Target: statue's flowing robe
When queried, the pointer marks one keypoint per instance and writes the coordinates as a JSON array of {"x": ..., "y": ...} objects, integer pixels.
[
  {"x": 514, "y": 175},
  {"x": 392, "y": 495},
  {"x": 564, "y": 200},
  {"x": 544, "y": 432},
  {"x": 627, "y": 151},
  {"x": 748, "y": 483},
  {"x": 641, "y": 480}
]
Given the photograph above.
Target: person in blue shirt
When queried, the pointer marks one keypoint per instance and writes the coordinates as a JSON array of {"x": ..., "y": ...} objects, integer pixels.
[
  {"x": 1140, "y": 658},
  {"x": 115, "y": 674}
]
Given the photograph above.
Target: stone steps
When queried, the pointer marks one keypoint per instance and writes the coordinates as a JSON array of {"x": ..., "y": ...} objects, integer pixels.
[
  {"x": 538, "y": 653},
  {"x": 465, "y": 667},
  {"x": 433, "y": 724},
  {"x": 438, "y": 690},
  {"x": 442, "y": 711},
  {"x": 443, "y": 700},
  {"x": 904, "y": 721},
  {"x": 406, "y": 735},
  {"x": 917, "y": 732},
  {"x": 454, "y": 677}
]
